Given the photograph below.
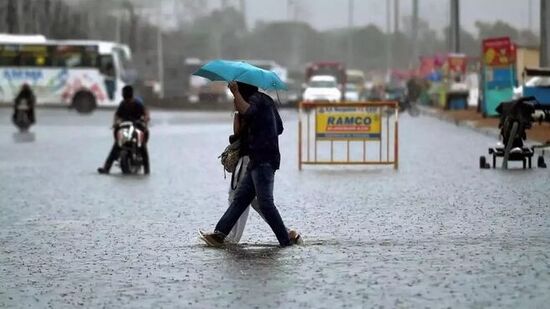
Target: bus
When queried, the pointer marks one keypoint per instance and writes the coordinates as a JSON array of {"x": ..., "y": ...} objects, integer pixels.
[{"x": 82, "y": 74}]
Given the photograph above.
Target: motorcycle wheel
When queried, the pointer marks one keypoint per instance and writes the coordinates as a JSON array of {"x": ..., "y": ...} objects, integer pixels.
[
  {"x": 413, "y": 109},
  {"x": 22, "y": 122},
  {"x": 482, "y": 162},
  {"x": 540, "y": 162},
  {"x": 125, "y": 162},
  {"x": 511, "y": 138}
]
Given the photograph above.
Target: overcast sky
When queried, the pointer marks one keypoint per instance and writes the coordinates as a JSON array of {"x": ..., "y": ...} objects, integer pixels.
[{"x": 326, "y": 14}]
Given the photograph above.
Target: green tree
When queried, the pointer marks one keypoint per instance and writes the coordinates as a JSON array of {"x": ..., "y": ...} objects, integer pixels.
[
  {"x": 499, "y": 28},
  {"x": 289, "y": 43}
]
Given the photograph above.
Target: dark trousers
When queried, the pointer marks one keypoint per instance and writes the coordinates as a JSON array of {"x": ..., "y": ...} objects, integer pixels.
[
  {"x": 115, "y": 152},
  {"x": 257, "y": 182},
  {"x": 30, "y": 114}
]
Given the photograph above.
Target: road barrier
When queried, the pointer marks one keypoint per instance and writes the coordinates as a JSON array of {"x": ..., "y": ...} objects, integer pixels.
[{"x": 371, "y": 125}]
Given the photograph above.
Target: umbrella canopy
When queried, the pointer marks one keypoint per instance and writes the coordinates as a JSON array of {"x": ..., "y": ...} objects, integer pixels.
[{"x": 225, "y": 70}]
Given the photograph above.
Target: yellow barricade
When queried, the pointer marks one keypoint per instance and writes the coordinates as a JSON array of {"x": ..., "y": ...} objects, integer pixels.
[{"x": 373, "y": 126}]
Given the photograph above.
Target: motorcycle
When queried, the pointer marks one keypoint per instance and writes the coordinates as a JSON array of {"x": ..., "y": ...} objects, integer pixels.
[
  {"x": 21, "y": 117},
  {"x": 410, "y": 106},
  {"x": 130, "y": 139},
  {"x": 405, "y": 102},
  {"x": 516, "y": 117}
]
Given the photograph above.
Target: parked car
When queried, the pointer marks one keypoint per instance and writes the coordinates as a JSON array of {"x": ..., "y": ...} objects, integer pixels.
[
  {"x": 352, "y": 92},
  {"x": 534, "y": 81},
  {"x": 322, "y": 88}
]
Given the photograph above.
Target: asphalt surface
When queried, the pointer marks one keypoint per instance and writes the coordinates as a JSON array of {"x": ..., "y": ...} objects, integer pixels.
[{"x": 437, "y": 233}]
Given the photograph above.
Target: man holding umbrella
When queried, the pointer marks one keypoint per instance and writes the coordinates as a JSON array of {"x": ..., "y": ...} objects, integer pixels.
[{"x": 264, "y": 128}]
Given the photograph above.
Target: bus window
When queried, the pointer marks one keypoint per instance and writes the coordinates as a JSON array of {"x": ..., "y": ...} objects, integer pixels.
[
  {"x": 8, "y": 55},
  {"x": 36, "y": 55},
  {"x": 24, "y": 55},
  {"x": 75, "y": 56},
  {"x": 67, "y": 56},
  {"x": 90, "y": 57},
  {"x": 127, "y": 71}
]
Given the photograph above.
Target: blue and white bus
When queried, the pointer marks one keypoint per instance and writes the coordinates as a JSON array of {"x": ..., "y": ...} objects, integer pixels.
[{"x": 83, "y": 74}]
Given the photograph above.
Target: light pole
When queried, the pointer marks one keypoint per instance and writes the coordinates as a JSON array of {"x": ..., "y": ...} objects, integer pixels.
[
  {"x": 455, "y": 27},
  {"x": 350, "y": 31},
  {"x": 160, "y": 56},
  {"x": 544, "y": 27},
  {"x": 388, "y": 37},
  {"x": 396, "y": 16},
  {"x": 242, "y": 7},
  {"x": 530, "y": 16},
  {"x": 414, "y": 32},
  {"x": 291, "y": 10}
]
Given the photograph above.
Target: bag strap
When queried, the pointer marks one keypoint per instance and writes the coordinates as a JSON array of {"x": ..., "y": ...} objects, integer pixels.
[{"x": 238, "y": 173}]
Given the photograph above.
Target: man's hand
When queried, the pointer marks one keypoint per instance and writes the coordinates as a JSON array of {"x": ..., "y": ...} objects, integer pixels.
[
  {"x": 234, "y": 88},
  {"x": 240, "y": 104}
]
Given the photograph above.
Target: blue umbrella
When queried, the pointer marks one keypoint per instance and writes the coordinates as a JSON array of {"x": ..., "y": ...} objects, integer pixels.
[{"x": 225, "y": 70}]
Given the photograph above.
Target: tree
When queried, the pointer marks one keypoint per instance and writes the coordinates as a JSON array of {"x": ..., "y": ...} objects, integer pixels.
[
  {"x": 528, "y": 38},
  {"x": 12, "y": 17},
  {"x": 288, "y": 43},
  {"x": 499, "y": 28}
]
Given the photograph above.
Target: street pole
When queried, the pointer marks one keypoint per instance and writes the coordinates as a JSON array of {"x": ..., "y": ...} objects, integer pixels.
[
  {"x": 530, "y": 16},
  {"x": 388, "y": 38},
  {"x": 242, "y": 5},
  {"x": 455, "y": 27},
  {"x": 544, "y": 28},
  {"x": 396, "y": 16},
  {"x": 118, "y": 27},
  {"x": 160, "y": 56},
  {"x": 350, "y": 32},
  {"x": 288, "y": 5},
  {"x": 414, "y": 32}
]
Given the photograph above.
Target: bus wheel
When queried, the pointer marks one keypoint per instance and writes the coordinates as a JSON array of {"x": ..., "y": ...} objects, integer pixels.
[{"x": 84, "y": 102}]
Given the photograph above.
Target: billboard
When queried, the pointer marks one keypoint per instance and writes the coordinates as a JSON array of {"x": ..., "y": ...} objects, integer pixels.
[
  {"x": 499, "y": 52},
  {"x": 347, "y": 123},
  {"x": 457, "y": 63}
]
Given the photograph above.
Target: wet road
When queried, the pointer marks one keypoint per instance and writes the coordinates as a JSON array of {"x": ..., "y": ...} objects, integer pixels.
[{"x": 437, "y": 233}]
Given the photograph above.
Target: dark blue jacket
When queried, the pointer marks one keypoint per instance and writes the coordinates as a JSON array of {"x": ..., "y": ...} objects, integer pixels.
[{"x": 264, "y": 127}]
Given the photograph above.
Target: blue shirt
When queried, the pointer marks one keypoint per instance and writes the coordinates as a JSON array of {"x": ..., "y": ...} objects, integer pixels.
[{"x": 264, "y": 127}]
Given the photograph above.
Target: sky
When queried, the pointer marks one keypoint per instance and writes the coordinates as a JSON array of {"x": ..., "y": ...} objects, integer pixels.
[{"x": 328, "y": 14}]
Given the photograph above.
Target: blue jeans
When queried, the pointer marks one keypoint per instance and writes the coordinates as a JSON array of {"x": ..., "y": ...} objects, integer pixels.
[{"x": 257, "y": 182}]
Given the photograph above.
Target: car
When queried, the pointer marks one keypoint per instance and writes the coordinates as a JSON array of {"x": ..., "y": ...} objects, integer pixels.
[
  {"x": 322, "y": 88},
  {"x": 352, "y": 92},
  {"x": 534, "y": 81},
  {"x": 294, "y": 92}
]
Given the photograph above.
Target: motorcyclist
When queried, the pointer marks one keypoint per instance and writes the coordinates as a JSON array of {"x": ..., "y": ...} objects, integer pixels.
[
  {"x": 413, "y": 89},
  {"x": 520, "y": 111},
  {"x": 25, "y": 94},
  {"x": 129, "y": 110}
]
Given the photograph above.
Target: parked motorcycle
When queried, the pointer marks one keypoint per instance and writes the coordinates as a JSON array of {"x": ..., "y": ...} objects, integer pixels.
[
  {"x": 516, "y": 117},
  {"x": 130, "y": 139}
]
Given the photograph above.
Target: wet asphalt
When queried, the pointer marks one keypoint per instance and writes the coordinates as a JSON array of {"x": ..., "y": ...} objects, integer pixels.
[{"x": 437, "y": 233}]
